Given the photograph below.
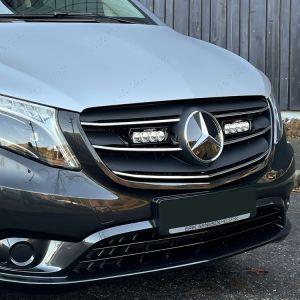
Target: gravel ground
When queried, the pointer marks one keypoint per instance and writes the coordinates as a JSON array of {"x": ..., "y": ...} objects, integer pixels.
[{"x": 271, "y": 272}]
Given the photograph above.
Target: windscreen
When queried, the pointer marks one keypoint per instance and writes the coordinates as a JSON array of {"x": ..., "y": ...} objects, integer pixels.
[{"x": 124, "y": 9}]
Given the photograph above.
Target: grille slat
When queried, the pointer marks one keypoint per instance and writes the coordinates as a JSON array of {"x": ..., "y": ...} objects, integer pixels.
[
  {"x": 127, "y": 149},
  {"x": 108, "y": 130},
  {"x": 241, "y": 112},
  {"x": 130, "y": 123},
  {"x": 248, "y": 137}
]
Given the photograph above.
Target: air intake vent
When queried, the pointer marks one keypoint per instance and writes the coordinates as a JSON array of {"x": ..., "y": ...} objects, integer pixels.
[
  {"x": 144, "y": 250},
  {"x": 109, "y": 131}
]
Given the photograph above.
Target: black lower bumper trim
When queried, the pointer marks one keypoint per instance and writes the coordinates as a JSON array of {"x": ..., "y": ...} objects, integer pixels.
[
  {"x": 146, "y": 251},
  {"x": 137, "y": 249}
]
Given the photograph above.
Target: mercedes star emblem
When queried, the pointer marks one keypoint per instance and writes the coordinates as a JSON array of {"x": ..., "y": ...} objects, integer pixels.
[{"x": 203, "y": 136}]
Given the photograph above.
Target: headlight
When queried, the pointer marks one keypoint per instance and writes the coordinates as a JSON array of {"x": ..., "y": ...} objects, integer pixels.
[
  {"x": 278, "y": 124},
  {"x": 32, "y": 130}
]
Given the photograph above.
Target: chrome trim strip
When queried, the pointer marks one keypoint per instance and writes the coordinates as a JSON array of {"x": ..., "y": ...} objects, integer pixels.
[
  {"x": 192, "y": 177},
  {"x": 245, "y": 138},
  {"x": 137, "y": 149},
  {"x": 174, "y": 120},
  {"x": 160, "y": 176},
  {"x": 238, "y": 113},
  {"x": 49, "y": 281}
]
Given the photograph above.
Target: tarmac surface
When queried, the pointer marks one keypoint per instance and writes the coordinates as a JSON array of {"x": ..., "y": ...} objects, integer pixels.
[{"x": 271, "y": 272}]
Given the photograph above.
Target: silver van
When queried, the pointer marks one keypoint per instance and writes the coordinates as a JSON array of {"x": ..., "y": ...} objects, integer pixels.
[{"x": 127, "y": 148}]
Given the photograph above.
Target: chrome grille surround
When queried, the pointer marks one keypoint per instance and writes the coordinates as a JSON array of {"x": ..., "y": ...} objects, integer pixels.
[{"x": 204, "y": 179}]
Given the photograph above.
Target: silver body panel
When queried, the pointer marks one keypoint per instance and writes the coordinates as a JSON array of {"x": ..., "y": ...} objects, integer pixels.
[{"x": 79, "y": 65}]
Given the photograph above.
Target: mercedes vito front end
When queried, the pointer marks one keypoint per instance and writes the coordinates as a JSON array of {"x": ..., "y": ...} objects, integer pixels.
[{"x": 128, "y": 148}]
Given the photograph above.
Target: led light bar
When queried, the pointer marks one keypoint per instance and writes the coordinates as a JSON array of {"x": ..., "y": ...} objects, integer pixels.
[
  {"x": 237, "y": 127},
  {"x": 149, "y": 136}
]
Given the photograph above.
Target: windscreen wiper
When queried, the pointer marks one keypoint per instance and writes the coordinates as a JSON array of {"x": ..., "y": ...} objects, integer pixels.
[
  {"x": 64, "y": 15},
  {"x": 91, "y": 15}
]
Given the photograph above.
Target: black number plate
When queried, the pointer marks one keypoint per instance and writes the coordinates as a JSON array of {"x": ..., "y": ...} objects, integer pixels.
[{"x": 175, "y": 214}]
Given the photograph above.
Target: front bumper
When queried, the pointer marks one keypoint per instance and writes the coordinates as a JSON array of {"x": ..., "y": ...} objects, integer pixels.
[
  {"x": 69, "y": 263},
  {"x": 65, "y": 215}
]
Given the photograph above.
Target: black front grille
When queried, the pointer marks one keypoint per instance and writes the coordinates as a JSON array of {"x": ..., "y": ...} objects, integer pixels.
[
  {"x": 138, "y": 251},
  {"x": 108, "y": 130}
]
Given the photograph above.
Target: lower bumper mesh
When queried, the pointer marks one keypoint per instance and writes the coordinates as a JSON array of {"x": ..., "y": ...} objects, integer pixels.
[{"x": 147, "y": 250}]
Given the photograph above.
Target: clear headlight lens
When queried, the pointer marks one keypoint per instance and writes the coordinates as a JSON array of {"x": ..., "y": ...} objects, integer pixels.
[
  {"x": 278, "y": 123},
  {"x": 32, "y": 130}
]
